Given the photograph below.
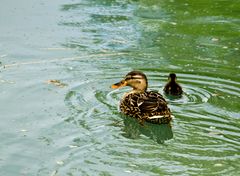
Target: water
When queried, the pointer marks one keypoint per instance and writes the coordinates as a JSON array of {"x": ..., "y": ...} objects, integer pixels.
[{"x": 74, "y": 127}]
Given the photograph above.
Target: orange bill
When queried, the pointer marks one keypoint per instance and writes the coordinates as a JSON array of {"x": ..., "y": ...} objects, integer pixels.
[{"x": 119, "y": 84}]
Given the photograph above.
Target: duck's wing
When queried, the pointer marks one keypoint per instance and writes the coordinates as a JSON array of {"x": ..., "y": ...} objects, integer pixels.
[
  {"x": 152, "y": 102},
  {"x": 166, "y": 88}
]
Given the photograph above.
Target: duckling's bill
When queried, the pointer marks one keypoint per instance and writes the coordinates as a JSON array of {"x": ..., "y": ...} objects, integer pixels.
[{"x": 119, "y": 84}]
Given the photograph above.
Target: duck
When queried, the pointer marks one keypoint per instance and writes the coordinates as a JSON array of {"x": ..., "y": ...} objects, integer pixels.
[
  {"x": 172, "y": 87},
  {"x": 139, "y": 103}
]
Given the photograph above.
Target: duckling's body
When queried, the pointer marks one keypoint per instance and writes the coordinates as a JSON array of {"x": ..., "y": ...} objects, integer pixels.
[
  {"x": 172, "y": 87},
  {"x": 139, "y": 103}
]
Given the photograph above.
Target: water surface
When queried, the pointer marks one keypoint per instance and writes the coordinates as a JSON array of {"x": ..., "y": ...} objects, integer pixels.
[{"x": 75, "y": 128}]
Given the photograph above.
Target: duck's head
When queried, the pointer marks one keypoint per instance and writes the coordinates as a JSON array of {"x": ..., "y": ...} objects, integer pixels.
[
  {"x": 135, "y": 79},
  {"x": 172, "y": 77}
]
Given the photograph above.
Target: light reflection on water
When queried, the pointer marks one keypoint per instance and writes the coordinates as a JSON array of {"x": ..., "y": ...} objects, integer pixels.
[{"x": 78, "y": 130}]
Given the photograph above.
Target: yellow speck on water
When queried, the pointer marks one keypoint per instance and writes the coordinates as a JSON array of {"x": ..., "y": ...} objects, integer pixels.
[
  {"x": 57, "y": 83},
  {"x": 23, "y": 130}
]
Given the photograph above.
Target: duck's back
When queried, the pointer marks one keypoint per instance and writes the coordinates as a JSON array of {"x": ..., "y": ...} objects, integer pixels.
[
  {"x": 173, "y": 88},
  {"x": 149, "y": 106}
]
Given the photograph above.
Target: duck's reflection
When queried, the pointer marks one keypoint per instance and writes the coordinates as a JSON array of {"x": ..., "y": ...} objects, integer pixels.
[{"x": 159, "y": 133}]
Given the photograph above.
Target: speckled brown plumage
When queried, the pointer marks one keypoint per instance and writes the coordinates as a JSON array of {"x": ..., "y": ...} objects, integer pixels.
[
  {"x": 141, "y": 104},
  {"x": 145, "y": 105}
]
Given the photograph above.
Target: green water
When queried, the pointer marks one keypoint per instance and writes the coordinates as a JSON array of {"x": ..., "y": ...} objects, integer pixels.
[{"x": 74, "y": 128}]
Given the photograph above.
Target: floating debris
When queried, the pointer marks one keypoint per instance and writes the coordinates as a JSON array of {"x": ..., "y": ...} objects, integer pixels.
[
  {"x": 54, "y": 173},
  {"x": 218, "y": 165},
  {"x": 225, "y": 47},
  {"x": 70, "y": 68},
  {"x": 57, "y": 83},
  {"x": 204, "y": 99},
  {"x": 23, "y": 130},
  {"x": 212, "y": 127},
  {"x": 215, "y": 39},
  {"x": 213, "y": 133},
  {"x": 7, "y": 81},
  {"x": 133, "y": 165},
  {"x": 60, "y": 162},
  {"x": 216, "y": 94},
  {"x": 72, "y": 146},
  {"x": 173, "y": 23},
  {"x": 128, "y": 171}
]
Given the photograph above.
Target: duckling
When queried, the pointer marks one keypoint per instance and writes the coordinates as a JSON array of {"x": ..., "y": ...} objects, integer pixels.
[
  {"x": 172, "y": 87},
  {"x": 141, "y": 104}
]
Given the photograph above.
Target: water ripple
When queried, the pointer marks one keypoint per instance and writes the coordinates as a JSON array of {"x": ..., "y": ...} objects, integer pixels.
[{"x": 199, "y": 117}]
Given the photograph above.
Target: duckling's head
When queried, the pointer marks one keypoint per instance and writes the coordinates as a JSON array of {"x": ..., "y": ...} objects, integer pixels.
[
  {"x": 172, "y": 77},
  {"x": 135, "y": 79}
]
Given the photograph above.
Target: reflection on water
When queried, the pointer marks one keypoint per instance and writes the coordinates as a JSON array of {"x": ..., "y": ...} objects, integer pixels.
[
  {"x": 77, "y": 129},
  {"x": 159, "y": 133}
]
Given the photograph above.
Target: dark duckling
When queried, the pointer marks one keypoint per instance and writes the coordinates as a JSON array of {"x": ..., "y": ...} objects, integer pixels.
[{"x": 172, "y": 87}]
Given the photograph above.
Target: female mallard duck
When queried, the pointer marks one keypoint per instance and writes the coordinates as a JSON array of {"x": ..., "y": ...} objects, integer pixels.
[
  {"x": 172, "y": 87},
  {"x": 142, "y": 104}
]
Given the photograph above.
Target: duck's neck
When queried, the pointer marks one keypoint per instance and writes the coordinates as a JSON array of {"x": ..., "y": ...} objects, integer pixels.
[
  {"x": 172, "y": 81},
  {"x": 133, "y": 91},
  {"x": 138, "y": 91},
  {"x": 141, "y": 88}
]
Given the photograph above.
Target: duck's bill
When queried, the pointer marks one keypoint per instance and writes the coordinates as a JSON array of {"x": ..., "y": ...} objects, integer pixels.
[{"x": 119, "y": 84}]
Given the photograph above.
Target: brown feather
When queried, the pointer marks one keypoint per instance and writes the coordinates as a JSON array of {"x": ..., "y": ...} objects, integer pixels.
[{"x": 144, "y": 105}]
